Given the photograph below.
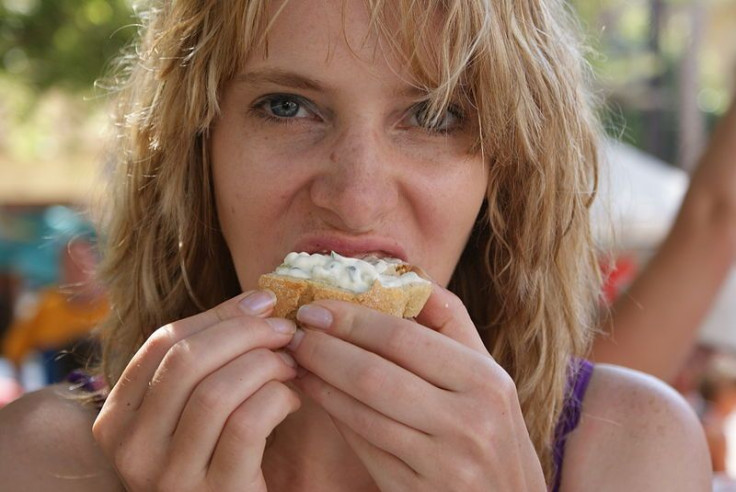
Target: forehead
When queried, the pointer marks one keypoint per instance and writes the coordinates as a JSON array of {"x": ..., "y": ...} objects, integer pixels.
[
  {"x": 319, "y": 22},
  {"x": 322, "y": 37}
]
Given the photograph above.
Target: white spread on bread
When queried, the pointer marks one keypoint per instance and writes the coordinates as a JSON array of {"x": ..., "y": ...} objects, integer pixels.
[{"x": 352, "y": 274}]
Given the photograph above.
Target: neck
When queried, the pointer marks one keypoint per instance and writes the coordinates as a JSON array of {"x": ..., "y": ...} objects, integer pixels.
[{"x": 307, "y": 453}]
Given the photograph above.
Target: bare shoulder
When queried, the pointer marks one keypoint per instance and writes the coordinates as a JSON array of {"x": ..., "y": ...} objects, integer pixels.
[
  {"x": 635, "y": 433},
  {"x": 46, "y": 444}
]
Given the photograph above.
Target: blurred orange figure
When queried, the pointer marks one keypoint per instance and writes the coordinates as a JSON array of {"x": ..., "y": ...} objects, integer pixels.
[{"x": 64, "y": 314}]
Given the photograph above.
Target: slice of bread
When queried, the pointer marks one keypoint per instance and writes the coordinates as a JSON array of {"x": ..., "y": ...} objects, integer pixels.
[{"x": 404, "y": 299}]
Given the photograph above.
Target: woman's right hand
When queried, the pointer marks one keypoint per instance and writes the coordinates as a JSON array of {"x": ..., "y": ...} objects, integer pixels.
[{"x": 194, "y": 406}]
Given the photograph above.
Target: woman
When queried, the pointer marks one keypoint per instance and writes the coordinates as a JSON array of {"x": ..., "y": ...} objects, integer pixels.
[{"x": 456, "y": 136}]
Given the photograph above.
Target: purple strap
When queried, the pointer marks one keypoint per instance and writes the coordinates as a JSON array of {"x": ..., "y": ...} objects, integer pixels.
[
  {"x": 581, "y": 370},
  {"x": 81, "y": 380},
  {"x": 95, "y": 385}
]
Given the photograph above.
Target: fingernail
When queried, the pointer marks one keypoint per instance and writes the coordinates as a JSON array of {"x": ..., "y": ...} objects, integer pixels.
[
  {"x": 314, "y": 316},
  {"x": 288, "y": 359},
  {"x": 258, "y": 301},
  {"x": 296, "y": 340},
  {"x": 281, "y": 325}
]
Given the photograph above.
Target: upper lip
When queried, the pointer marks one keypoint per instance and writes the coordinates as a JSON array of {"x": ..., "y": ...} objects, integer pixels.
[{"x": 351, "y": 246}]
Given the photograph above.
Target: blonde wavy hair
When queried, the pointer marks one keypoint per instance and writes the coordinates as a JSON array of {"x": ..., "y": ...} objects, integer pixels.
[{"x": 528, "y": 275}]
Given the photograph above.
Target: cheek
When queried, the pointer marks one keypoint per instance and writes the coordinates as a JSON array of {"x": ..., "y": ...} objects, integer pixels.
[
  {"x": 246, "y": 175},
  {"x": 462, "y": 193},
  {"x": 249, "y": 201},
  {"x": 452, "y": 205}
]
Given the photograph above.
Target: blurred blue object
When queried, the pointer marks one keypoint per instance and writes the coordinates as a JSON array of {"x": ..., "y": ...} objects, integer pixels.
[{"x": 32, "y": 239}]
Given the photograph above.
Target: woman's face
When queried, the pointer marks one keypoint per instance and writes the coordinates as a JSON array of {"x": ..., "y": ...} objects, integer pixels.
[{"x": 322, "y": 145}]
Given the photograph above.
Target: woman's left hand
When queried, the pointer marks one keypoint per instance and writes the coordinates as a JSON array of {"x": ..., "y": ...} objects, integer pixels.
[{"x": 423, "y": 404}]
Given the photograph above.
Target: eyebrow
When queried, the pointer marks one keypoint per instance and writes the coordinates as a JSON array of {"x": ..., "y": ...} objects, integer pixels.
[
  {"x": 280, "y": 77},
  {"x": 294, "y": 80}
]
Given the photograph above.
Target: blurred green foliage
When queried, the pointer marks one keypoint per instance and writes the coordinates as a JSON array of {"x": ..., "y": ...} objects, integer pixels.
[
  {"x": 659, "y": 63},
  {"x": 638, "y": 52},
  {"x": 62, "y": 43}
]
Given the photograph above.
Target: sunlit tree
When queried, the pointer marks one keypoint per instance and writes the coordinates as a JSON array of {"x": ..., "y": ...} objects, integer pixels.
[{"x": 61, "y": 43}]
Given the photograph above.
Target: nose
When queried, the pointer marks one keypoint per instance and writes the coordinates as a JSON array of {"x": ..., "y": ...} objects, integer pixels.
[{"x": 358, "y": 187}]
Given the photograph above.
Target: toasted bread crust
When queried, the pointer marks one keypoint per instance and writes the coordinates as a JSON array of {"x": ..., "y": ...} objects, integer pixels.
[{"x": 292, "y": 292}]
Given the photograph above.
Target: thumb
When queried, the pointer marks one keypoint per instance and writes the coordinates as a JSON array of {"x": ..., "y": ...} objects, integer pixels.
[{"x": 445, "y": 313}]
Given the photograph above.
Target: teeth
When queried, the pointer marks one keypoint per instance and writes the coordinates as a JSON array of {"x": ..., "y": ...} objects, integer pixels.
[{"x": 365, "y": 255}]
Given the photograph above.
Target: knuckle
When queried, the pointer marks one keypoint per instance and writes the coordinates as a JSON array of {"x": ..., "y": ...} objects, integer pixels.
[
  {"x": 473, "y": 431},
  {"x": 129, "y": 465},
  {"x": 454, "y": 309},
  {"x": 246, "y": 428},
  {"x": 288, "y": 397},
  {"x": 222, "y": 312},
  {"x": 100, "y": 430},
  {"x": 181, "y": 356},
  {"x": 454, "y": 303},
  {"x": 208, "y": 396},
  {"x": 278, "y": 392},
  {"x": 490, "y": 379},
  {"x": 477, "y": 440},
  {"x": 344, "y": 321},
  {"x": 163, "y": 338},
  {"x": 266, "y": 364},
  {"x": 370, "y": 379},
  {"x": 263, "y": 357},
  {"x": 284, "y": 398},
  {"x": 466, "y": 477},
  {"x": 505, "y": 388}
]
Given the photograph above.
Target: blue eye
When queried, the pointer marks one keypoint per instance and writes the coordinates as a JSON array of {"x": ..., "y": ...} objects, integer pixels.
[
  {"x": 283, "y": 107},
  {"x": 451, "y": 119}
]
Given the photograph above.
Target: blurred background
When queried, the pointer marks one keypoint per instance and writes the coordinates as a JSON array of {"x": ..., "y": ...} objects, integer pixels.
[
  {"x": 665, "y": 72},
  {"x": 53, "y": 121}
]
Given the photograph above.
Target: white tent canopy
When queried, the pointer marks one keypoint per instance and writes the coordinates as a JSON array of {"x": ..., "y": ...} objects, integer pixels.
[{"x": 638, "y": 199}]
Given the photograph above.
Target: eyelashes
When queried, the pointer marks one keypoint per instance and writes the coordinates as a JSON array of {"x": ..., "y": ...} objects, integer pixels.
[
  {"x": 287, "y": 109},
  {"x": 452, "y": 118},
  {"x": 284, "y": 108}
]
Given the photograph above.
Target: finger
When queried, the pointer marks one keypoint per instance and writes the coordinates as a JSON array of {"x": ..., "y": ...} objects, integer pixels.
[
  {"x": 126, "y": 396},
  {"x": 239, "y": 451},
  {"x": 395, "y": 438},
  {"x": 133, "y": 383},
  {"x": 369, "y": 378},
  {"x": 445, "y": 313},
  {"x": 429, "y": 354},
  {"x": 388, "y": 471},
  {"x": 192, "y": 359},
  {"x": 215, "y": 398}
]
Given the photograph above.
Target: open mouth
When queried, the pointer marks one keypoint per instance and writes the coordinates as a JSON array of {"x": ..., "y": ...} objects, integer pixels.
[
  {"x": 351, "y": 247},
  {"x": 360, "y": 255}
]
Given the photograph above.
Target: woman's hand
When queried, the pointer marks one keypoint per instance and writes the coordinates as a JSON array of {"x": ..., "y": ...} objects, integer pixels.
[
  {"x": 422, "y": 403},
  {"x": 195, "y": 405}
]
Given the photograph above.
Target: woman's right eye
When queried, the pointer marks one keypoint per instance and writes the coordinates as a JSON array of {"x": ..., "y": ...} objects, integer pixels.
[{"x": 283, "y": 107}]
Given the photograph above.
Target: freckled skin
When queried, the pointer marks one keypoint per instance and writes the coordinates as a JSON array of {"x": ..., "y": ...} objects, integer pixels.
[{"x": 354, "y": 164}]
